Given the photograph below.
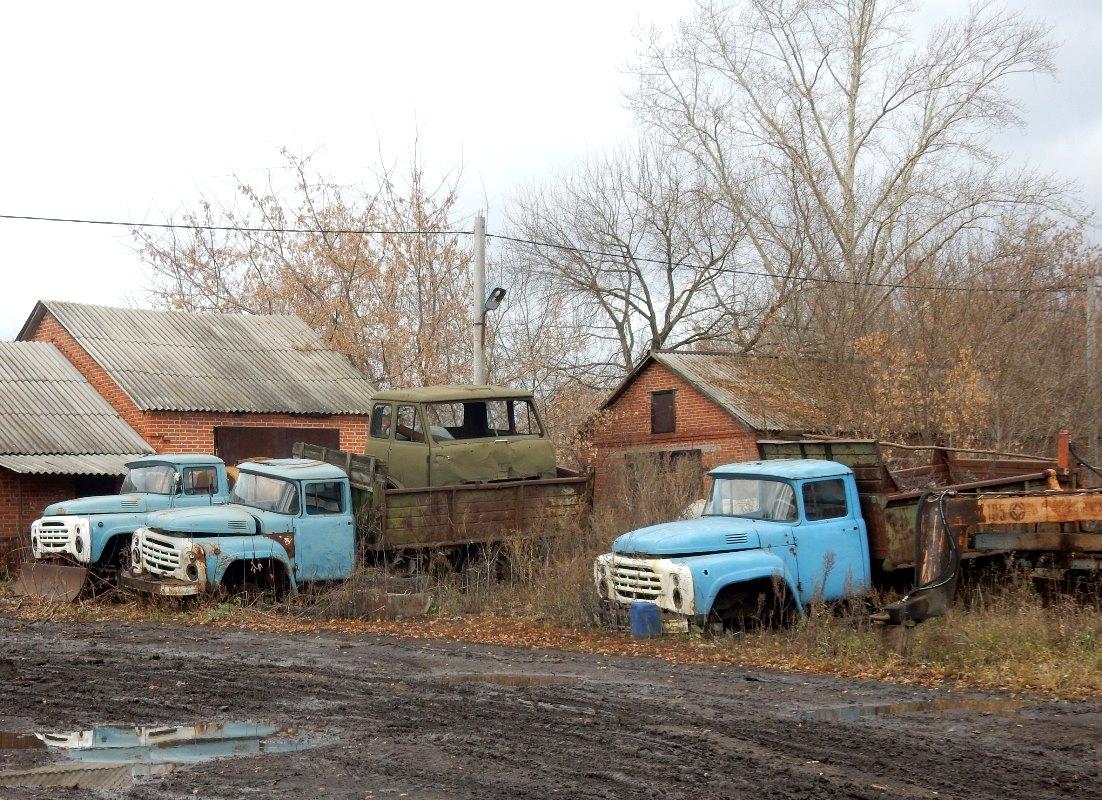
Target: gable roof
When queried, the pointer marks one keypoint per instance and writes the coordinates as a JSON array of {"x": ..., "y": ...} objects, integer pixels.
[
  {"x": 53, "y": 422},
  {"x": 748, "y": 388},
  {"x": 181, "y": 361}
]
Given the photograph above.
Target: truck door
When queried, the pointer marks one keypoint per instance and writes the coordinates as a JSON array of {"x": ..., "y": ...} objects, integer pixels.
[
  {"x": 831, "y": 543},
  {"x": 325, "y": 534}
]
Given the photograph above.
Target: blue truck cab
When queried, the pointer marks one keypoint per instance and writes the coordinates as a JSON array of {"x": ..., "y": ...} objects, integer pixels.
[
  {"x": 287, "y": 521},
  {"x": 95, "y": 531},
  {"x": 774, "y": 536}
]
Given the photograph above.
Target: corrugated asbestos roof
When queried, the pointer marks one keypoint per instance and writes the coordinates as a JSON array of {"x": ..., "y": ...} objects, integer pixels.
[
  {"x": 53, "y": 422},
  {"x": 744, "y": 386},
  {"x": 177, "y": 361}
]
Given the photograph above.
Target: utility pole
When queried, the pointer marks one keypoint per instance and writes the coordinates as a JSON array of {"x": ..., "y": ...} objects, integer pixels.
[
  {"x": 478, "y": 306},
  {"x": 1092, "y": 366}
]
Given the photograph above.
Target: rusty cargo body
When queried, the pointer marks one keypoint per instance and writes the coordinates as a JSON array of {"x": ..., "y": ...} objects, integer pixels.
[
  {"x": 892, "y": 480},
  {"x": 442, "y": 517}
]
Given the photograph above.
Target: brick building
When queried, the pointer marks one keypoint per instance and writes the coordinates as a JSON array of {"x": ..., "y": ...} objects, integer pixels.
[
  {"x": 707, "y": 408},
  {"x": 58, "y": 439},
  {"x": 230, "y": 384}
]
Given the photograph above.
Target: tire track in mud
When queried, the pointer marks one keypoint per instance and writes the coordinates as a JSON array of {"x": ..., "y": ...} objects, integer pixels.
[{"x": 434, "y": 718}]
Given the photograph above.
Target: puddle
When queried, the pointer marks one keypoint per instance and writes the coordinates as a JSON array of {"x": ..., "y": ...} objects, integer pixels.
[
  {"x": 109, "y": 755},
  {"x": 10, "y": 740},
  {"x": 1002, "y": 708},
  {"x": 515, "y": 680}
]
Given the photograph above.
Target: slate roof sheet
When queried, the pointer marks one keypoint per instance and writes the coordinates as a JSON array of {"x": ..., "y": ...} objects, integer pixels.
[
  {"x": 178, "y": 361},
  {"x": 53, "y": 422}
]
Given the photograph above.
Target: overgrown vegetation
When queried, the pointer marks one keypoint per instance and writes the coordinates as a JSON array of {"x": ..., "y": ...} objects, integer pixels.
[{"x": 1005, "y": 633}]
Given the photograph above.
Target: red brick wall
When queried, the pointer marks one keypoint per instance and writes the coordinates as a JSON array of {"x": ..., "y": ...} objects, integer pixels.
[
  {"x": 22, "y": 498},
  {"x": 700, "y": 424},
  {"x": 185, "y": 431}
]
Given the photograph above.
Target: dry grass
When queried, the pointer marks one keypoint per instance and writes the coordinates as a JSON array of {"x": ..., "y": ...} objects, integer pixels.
[{"x": 1003, "y": 633}]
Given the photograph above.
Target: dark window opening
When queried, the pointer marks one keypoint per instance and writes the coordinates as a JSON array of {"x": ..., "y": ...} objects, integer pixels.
[{"x": 662, "y": 418}]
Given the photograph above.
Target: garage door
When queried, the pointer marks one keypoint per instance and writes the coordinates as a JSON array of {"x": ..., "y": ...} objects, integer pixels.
[{"x": 234, "y": 444}]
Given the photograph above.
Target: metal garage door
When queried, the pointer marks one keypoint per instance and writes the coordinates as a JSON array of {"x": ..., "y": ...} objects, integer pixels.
[{"x": 233, "y": 444}]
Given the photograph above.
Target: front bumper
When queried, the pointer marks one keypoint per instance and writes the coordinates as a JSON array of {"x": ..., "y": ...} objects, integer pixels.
[{"x": 151, "y": 584}]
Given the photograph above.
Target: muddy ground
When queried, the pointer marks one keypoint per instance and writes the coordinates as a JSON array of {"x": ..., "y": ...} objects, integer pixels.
[{"x": 391, "y": 717}]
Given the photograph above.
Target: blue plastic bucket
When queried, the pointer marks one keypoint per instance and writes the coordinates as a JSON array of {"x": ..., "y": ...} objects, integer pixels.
[{"x": 646, "y": 620}]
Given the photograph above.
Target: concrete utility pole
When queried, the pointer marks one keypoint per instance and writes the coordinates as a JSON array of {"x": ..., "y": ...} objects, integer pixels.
[
  {"x": 1092, "y": 367},
  {"x": 478, "y": 307}
]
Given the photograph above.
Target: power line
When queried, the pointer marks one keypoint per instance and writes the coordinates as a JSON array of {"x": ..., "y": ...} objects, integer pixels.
[
  {"x": 793, "y": 277},
  {"x": 551, "y": 245},
  {"x": 229, "y": 228}
]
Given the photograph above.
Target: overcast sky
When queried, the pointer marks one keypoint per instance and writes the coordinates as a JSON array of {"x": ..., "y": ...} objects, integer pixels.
[{"x": 130, "y": 112}]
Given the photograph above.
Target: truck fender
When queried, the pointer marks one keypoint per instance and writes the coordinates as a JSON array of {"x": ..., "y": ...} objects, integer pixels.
[
  {"x": 104, "y": 538},
  {"x": 222, "y": 554},
  {"x": 712, "y": 574}
]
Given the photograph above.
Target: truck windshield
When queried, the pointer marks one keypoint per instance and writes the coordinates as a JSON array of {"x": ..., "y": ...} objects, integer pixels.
[
  {"x": 265, "y": 493},
  {"x": 154, "y": 479},
  {"x": 752, "y": 498},
  {"x": 482, "y": 419}
]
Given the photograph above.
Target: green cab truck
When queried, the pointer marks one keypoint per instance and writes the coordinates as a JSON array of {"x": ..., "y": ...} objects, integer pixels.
[{"x": 444, "y": 468}]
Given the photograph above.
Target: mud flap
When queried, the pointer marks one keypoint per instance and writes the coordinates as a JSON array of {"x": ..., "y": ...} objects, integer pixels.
[{"x": 51, "y": 582}]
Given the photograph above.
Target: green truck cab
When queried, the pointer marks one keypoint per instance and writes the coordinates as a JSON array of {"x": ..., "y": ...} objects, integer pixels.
[{"x": 455, "y": 434}]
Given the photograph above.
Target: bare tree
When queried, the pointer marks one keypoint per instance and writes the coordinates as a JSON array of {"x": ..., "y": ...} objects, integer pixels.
[
  {"x": 846, "y": 152},
  {"x": 633, "y": 243},
  {"x": 378, "y": 272}
]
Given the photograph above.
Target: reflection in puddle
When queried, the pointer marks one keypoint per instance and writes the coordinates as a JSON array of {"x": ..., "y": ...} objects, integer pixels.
[
  {"x": 142, "y": 751},
  {"x": 515, "y": 679},
  {"x": 1004, "y": 708},
  {"x": 10, "y": 740}
]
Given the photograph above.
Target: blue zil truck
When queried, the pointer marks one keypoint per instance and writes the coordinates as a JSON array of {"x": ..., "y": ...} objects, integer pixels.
[
  {"x": 287, "y": 521},
  {"x": 824, "y": 520},
  {"x": 91, "y": 535}
]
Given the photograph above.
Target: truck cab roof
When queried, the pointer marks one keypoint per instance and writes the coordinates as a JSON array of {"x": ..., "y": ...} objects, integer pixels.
[
  {"x": 183, "y": 459},
  {"x": 788, "y": 468},
  {"x": 451, "y": 392},
  {"x": 305, "y": 469}
]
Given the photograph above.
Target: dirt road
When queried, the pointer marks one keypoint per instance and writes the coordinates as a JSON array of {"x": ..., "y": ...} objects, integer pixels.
[{"x": 377, "y": 717}]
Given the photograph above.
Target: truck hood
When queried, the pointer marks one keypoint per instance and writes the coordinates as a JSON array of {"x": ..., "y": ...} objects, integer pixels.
[
  {"x": 690, "y": 537},
  {"x": 228, "y": 520},
  {"x": 104, "y": 504}
]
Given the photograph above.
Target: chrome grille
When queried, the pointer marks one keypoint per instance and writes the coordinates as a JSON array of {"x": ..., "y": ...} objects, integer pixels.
[
  {"x": 635, "y": 581},
  {"x": 159, "y": 554}
]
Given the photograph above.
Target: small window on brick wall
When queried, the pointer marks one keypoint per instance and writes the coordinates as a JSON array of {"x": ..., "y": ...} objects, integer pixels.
[{"x": 662, "y": 418}]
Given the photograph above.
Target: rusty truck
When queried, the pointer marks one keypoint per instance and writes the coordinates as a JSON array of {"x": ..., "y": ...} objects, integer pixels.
[
  {"x": 819, "y": 519},
  {"x": 444, "y": 469},
  {"x": 74, "y": 539}
]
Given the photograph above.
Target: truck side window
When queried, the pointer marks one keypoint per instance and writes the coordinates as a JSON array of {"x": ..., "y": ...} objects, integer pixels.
[
  {"x": 825, "y": 500},
  {"x": 199, "y": 481},
  {"x": 380, "y": 421},
  {"x": 324, "y": 497},
  {"x": 407, "y": 428}
]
